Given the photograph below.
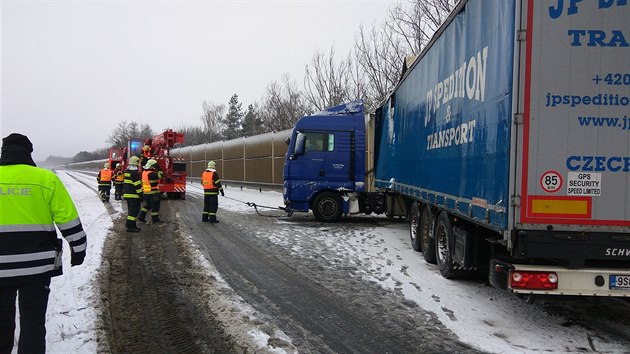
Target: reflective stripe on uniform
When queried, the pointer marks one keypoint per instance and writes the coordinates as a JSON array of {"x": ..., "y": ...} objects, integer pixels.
[
  {"x": 80, "y": 247},
  {"x": 27, "y": 228},
  {"x": 70, "y": 224},
  {"x": 7, "y": 273},
  {"x": 27, "y": 257},
  {"x": 76, "y": 236}
]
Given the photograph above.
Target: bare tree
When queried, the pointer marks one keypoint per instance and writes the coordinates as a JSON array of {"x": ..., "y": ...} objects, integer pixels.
[
  {"x": 381, "y": 50},
  {"x": 283, "y": 104},
  {"x": 417, "y": 23},
  {"x": 212, "y": 119},
  {"x": 126, "y": 131},
  {"x": 197, "y": 136},
  {"x": 379, "y": 54},
  {"x": 326, "y": 80},
  {"x": 433, "y": 13}
]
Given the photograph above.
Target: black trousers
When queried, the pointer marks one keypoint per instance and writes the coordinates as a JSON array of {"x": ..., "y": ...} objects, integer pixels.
[
  {"x": 104, "y": 192},
  {"x": 152, "y": 204},
  {"x": 33, "y": 301},
  {"x": 118, "y": 190},
  {"x": 133, "y": 209},
  {"x": 210, "y": 207}
]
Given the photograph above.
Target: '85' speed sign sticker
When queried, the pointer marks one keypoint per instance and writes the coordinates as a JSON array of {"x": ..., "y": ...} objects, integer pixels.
[{"x": 551, "y": 181}]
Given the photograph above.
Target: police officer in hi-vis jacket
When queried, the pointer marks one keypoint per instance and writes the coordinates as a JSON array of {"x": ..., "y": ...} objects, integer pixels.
[{"x": 32, "y": 201}]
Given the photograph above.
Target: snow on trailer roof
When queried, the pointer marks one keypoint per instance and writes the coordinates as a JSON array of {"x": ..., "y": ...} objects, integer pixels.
[{"x": 353, "y": 107}]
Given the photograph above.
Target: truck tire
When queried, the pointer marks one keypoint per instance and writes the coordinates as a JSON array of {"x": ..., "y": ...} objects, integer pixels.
[
  {"x": 443, "y": 250},
  {"x": 426, "y": 235},
  {"x": 414, "y": 227},
  {"x": 327, "y": 207}
]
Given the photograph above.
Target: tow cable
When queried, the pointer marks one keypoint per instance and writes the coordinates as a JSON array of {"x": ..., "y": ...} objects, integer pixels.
[{"x": 256, "y": 206}]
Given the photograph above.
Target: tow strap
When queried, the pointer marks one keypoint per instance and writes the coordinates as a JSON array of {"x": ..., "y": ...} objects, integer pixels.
[{"x": 256, "y": 206}]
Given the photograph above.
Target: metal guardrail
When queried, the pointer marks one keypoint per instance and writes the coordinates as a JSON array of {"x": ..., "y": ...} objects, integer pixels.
[{"x": 243, "y": 184}]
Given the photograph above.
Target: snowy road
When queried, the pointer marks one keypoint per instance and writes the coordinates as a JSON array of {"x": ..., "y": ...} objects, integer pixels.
[{"x": 357, "y": 286}]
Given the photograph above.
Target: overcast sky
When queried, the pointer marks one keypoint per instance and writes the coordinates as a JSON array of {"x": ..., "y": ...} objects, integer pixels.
[{"x": 72, "y": 70}]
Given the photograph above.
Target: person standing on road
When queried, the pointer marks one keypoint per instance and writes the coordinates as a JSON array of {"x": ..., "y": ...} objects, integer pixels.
[
  {"x": 32, "y": 201},
  {"x": 151, "y": 190},
  {"x": 104, "y": 180},
  {"x": 211, "y": 188},
  {"x": 132, "y": 190},
  {"x": 119, "y": 181}
]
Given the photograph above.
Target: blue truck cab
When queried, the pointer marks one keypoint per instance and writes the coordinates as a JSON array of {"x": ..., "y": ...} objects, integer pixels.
[{"x": 325, "y": 161}]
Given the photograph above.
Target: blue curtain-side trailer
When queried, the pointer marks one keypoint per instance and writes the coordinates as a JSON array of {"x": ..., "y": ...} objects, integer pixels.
[{"x": 505, "y": 144}]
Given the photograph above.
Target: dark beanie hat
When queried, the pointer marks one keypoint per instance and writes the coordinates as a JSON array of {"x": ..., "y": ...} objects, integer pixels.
[{"x": 18, "y": 140}]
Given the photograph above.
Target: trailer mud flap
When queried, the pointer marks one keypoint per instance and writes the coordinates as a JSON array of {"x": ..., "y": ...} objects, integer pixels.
[{"x": 463, "y": 245}]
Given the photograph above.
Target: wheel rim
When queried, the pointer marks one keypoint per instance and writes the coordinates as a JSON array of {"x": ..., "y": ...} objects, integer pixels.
[
  {"x": 413, "y": 224},
  {"x": 441, "y": 243},
  {"x": 328, "y": 207}
]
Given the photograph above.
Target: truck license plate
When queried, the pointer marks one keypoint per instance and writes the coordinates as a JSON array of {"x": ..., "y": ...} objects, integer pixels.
[{"x": 620, "y": 282}]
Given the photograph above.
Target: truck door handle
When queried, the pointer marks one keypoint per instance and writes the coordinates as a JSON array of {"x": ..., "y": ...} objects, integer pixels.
[{"x": 322, "y": 173}]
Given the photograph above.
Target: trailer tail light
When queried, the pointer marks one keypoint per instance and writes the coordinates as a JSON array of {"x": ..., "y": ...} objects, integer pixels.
[{"x": 520, "y": 279}]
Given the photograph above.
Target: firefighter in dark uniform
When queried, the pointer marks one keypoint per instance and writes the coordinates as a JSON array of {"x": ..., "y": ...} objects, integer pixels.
[
  {"x": 104, "y": 180},
  {"x": 211, "y": 188},
  {"x": 32, "y": 201},
  {"x": 119, "y": 181},
  {"x": 151, "y": 190},
  {"x": 132, "y": 190}
]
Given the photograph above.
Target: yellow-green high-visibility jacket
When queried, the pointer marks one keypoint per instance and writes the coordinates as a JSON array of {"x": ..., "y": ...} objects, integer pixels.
[{"x": 32, "y": 201}]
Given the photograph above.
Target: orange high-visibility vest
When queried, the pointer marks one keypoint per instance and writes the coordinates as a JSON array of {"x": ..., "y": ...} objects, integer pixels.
[
  {"x": 120, "y": 177},
  {"x": 106, "y": 175},
  {"x": 207, "y": 180},
  {"x": 147, "y": 188}
]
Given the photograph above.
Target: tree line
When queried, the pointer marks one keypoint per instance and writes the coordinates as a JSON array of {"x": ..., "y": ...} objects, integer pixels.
[{"x": 368, "y": 72}]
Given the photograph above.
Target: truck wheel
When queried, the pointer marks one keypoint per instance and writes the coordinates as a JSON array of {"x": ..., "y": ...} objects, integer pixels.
[
  {"x": 327, "y": 207},
  {"x": 443, "y": 235},
  {"x": 426, "y": 235},
  {"x": 414, "y": 227}
]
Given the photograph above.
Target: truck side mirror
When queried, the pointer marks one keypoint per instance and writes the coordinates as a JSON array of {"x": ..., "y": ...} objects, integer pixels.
[{"x": 298, "y": 149}]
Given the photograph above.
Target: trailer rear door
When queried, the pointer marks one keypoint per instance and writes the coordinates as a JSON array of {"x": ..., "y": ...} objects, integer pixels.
[{"x": 575, "y": 162}]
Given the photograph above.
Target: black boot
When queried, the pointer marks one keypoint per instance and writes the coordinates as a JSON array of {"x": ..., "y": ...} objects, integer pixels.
[{"x": 131, "y": 226}]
